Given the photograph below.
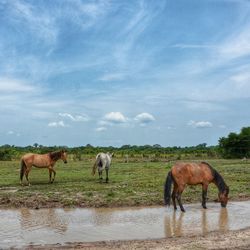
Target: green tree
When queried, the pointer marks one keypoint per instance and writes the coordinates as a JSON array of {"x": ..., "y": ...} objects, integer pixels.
[{"x": 236, "y": 145}]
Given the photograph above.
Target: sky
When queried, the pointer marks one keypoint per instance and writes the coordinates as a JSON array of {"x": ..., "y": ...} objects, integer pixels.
[{"x": 110, "y": 73}]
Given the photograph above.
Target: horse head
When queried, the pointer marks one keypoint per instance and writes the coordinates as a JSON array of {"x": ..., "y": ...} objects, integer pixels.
[
  {"x": 110, "y": 154},
  {"x": 64, "y": 156},
  {"x": 223, "y": 196}
]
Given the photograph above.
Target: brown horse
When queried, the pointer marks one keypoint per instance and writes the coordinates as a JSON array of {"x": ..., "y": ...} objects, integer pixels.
[
  {"x": 182, "y": 174},
  {"x": 41, "y": 161}
]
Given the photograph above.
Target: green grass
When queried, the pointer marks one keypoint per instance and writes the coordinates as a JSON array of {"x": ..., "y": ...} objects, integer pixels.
[{"x": 131, "y": 184}]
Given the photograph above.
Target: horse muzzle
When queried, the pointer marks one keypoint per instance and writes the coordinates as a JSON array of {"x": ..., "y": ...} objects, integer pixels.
[{"x": 65, "y": 162}]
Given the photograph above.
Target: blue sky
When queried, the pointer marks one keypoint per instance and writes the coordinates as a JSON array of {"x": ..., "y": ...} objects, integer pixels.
[{"x": 171, "y": 72}]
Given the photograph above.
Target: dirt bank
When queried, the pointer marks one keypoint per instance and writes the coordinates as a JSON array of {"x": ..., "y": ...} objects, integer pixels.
[{"x": 216, "y": 240}]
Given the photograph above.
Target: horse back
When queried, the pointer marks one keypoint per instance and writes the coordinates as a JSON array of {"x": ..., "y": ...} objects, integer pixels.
[
  {"x": 103, "y": 159},
  {"x": 192, "y": 173},
  {"x": 37, "y": 160}
]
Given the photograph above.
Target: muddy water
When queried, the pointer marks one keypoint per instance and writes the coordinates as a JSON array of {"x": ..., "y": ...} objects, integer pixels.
[{"x": 50, "y": 226}]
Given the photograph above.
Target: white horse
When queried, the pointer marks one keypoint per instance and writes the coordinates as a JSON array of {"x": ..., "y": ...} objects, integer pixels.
[{"x": 103, "y": 161}]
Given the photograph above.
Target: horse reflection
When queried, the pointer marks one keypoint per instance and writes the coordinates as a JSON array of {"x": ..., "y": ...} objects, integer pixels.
[
  {"x": 174, "y": 227},
  {"x": 223, "y": 220},
  {"x": 48, "y": 218},
  {"x": 204, "y": 224},
  {"x": 102, "y": 218}
]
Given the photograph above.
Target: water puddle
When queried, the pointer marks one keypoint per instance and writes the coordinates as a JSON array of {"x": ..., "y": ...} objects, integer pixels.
[{"x": 50, "y": 226}]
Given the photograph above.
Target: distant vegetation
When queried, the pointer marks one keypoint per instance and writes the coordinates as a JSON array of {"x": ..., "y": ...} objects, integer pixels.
[
  {"x": 233, "y": 146},
  {"x": 236, "y": 145},
  {"x": 126, "y": 153}
]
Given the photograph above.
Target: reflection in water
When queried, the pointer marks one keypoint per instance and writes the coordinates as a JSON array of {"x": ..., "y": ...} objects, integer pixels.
[
  {"x": 173, "y": 227},
  {"x": 223, "y": 221},
  {"x": 204, "y": 221},
  {"x": 102, "y": 217},
  {"x": 49, "y": 218},
  {"x": 178, "y": 225},
  {"x": 51, "y": 226}
]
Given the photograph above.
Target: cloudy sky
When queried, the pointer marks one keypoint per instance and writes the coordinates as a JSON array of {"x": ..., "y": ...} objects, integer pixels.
[{"x": 172, "y": 72}]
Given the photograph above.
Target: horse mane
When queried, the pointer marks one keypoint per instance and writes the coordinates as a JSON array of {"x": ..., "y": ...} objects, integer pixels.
[
  {"x": 218, "y": 179},
  {"x": 55, "y": 155}
]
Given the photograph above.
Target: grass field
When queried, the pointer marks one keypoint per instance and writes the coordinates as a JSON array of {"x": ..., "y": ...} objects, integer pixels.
[{"x": 131, "y": 184}]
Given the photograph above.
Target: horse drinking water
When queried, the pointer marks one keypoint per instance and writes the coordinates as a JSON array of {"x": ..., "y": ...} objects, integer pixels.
[
  {"x": 41, "y": 161},
  {"x": 103, "y": 161},
  {"x": 182, "y": 174}
]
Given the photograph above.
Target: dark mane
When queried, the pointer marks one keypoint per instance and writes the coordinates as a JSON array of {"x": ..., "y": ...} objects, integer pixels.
[
  {"x": 218, "y": 180},
  {"x": 55, "y": 155}
]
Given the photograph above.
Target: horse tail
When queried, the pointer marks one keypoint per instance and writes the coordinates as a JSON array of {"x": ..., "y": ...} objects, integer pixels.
[
  {"x": 97, "y": 161},
  {"x": 22, "y": 169},
  {"x": 167, "y": 188}
]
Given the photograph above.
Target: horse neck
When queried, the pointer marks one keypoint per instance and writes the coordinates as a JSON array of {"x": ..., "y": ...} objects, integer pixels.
[
  {"x": 55, "y": 156},
  {"x": 219, "y": 181}
]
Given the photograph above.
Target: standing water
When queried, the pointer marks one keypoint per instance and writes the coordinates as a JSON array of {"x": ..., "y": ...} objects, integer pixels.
[{"x": 23, "y": 227}]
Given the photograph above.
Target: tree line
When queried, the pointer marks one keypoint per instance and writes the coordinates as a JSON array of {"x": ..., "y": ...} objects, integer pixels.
[{"x": 233, "y": 146}]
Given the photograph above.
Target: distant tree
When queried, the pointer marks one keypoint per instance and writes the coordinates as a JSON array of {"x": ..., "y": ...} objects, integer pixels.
[
  {"x": 201, "y": 146},
  {"x": 125, "y": 147},
  {"x": 5, "y": 154},
  {"x": 236, "y": 145}
]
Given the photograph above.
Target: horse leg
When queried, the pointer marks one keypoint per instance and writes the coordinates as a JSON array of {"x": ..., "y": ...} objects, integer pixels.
[
  {"x": 51, "y": 170},
  {"x": 174, "y": 195},
  {"x": 27, "y": 174},
  {"x": 204, "y": 195},
  {"x": 54, "y": 172},
  {"x": 50, "y": 173},
  {"x": 107, "y": 175},
  {"x": 178, "y": 196},
  {"x": 100, "y": 173}
]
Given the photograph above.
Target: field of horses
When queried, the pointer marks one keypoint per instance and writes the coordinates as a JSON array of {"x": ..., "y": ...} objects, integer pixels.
[{"x": 131, "y": 184}]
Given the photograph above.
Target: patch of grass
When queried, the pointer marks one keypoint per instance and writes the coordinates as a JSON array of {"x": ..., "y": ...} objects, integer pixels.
[{"x": 131, "y": 184}]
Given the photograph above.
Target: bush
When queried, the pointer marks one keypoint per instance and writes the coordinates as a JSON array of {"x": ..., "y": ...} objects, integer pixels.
[{"x": 5, "y": 155}]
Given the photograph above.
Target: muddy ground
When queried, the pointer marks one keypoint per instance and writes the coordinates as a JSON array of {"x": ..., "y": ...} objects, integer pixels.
[{"x": 228, "y": 240}]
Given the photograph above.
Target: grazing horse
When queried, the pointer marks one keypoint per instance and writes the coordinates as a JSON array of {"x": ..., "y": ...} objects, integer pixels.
[
  {"x": 41, "y": 161},
  {"x": 103, "y": 161},
  {"x": 182, "y": 174}
]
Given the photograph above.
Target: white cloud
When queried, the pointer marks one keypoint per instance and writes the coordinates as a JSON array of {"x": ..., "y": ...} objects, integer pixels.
[
  {"x": 12, "y": 133},
  {"x": 192, "y": 46},
  {"x": 14, "y": 85},
  {"x": 222, "y": 126},
  {"x": 112, "y": 77},
  {"x": 57, "y": 124},
  {"x": 101, "y": 129},
  {"x": 85, "y": 14},
  {"x": 144, "y": 118},
  {"x": 115, "y": 117},
  {"x": 200, "y": 124},
  {"x": 41, "y": 23},
  {"x": 76, "y": 118}
]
